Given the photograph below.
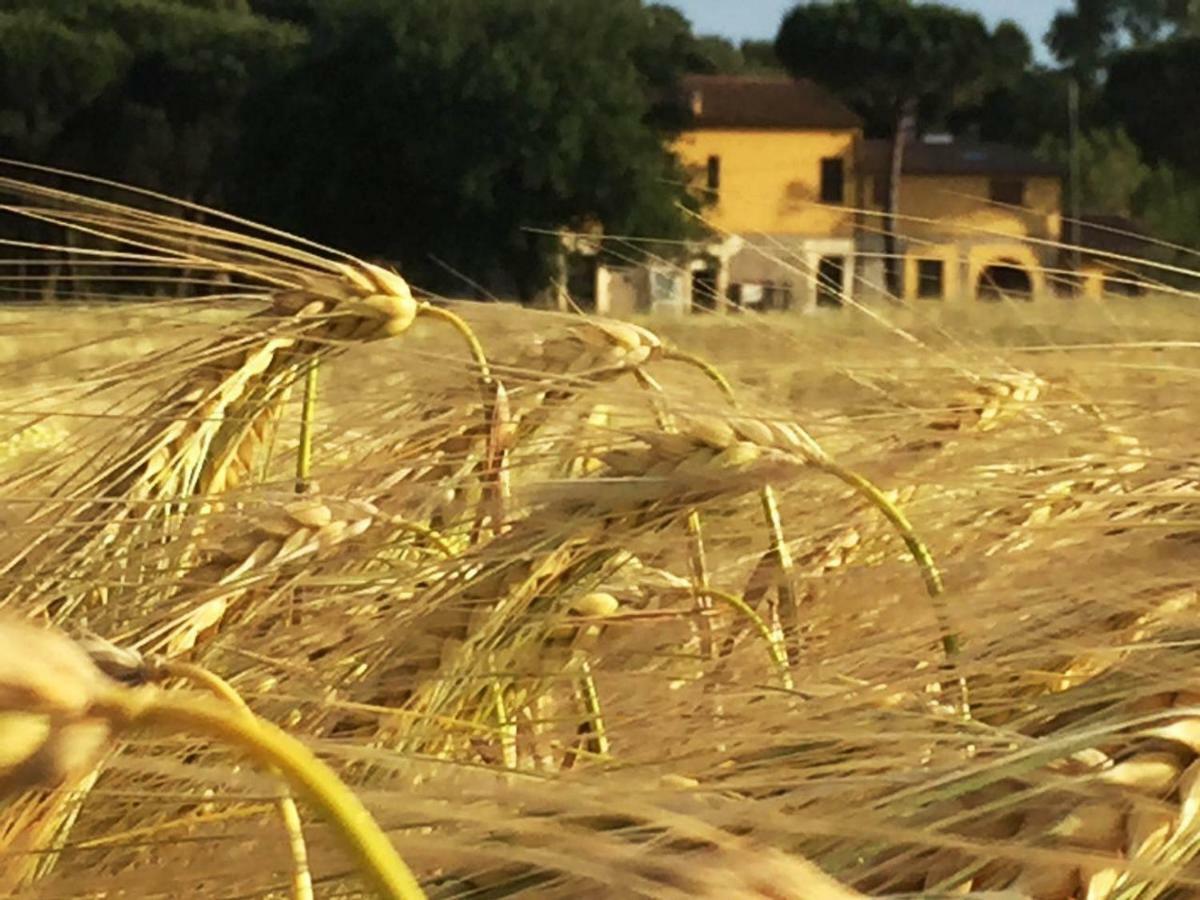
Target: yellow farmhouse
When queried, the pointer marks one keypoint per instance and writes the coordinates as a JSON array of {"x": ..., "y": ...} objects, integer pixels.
[
  {"x": 796, "y": 197},
  {"x": 778, "y": 161},
  {"x": 974, "y": 220}
]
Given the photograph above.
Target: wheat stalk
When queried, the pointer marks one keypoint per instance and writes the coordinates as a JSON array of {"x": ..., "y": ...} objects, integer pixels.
[{"x": 60, "y": 709}]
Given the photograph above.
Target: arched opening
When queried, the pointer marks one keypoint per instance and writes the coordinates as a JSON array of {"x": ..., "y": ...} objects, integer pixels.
[{"x": 1005, "y": 280}]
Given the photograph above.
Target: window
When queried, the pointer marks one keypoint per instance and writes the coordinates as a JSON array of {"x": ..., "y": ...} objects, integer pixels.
[
  {"x": 1009, "y": 191},
  {"x": 833, "y": 180},
  {"x": 830, "y": 271},
  {"x": 714, "y": 176},
  {"x": 931, "y": 277}
]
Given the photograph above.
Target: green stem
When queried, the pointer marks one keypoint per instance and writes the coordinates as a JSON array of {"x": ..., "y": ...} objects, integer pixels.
[
  {"x": 302, "y": 888},
  {"x": 713, "y": 373},
  {"x": 774, "y": 646},
  {"x": 591, "y": 705},
  {"x": 460, "y": 325},
  {"x": 275, "y": 749},
  {"x": 507, "y": 725},
  {"x": 308, "y": 414},
  {"x": 787, "y": 606},
  {"x": 951, "y": 643},
  {"x": 426, "y": 533},
  {"x": 929, "y": 570}
]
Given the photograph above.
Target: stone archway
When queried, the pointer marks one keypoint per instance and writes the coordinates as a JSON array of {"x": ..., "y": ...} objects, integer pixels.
[{"x": 1004, "y": 279}]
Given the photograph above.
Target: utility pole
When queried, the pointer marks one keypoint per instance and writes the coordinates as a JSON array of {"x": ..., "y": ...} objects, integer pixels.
[
  {"x": 1076, "y": 175},
  {"x": 906, "y": 127}
]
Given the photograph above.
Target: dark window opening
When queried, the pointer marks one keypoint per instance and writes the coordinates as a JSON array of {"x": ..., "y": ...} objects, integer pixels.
[
  {"x": 1005, "y": 281},
  {"x": 931, "y": 279},
  {"x": 830, "y": 271},
  {"x": 714, "y": 175},
  {"x": 704, "y": 289},
  {"x": 833, "y": 180},
  {"x": 1009, "y": 191},
  {"x": 581, "y": 281}
]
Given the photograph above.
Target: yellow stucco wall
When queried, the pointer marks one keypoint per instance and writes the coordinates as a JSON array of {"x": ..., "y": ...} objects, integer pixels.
[
  {"x": 964, "y": 266},
  {"x": 951, "y": 260},
  {"x": 960, "y": 206},
  {"x": 770, "y": 184},
  {"x": 771, "y": 180},
  {"x": 1098, "y": 279}
]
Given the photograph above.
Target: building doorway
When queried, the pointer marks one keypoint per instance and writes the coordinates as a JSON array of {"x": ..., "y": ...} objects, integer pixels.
[
  {"x": 831, "y": 270},
  {"x": 704, "y": 287},
  {"x": 581, "y": 281}
]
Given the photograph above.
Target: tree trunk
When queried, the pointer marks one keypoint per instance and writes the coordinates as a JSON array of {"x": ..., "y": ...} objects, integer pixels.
[{"x": 894, "y": 265}]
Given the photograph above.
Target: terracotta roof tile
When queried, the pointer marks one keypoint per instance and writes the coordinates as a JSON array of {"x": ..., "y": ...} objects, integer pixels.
[{"x": 729, "y": 101}]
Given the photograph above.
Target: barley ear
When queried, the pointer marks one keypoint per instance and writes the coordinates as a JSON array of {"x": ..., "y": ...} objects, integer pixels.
[
  {"x": 48, "y": 731},
  {"x": 932, "y": 577}
]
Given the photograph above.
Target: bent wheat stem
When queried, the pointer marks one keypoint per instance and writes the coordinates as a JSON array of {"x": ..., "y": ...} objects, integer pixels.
[
  {"x": 289, "y": 815},
  {"x": 591, "y": 703},
  {"x": 460, "y": 325},
  {"x": 712, "y": 372},
  {"x": 304, "y": 454},
  {"x": 929, "y": 571},
  {"x": 775, "y": 646},
  {"x": 787, "y": 610},
  {"x": 159, "y": 711},
  {"x": 785, "y": 606}
]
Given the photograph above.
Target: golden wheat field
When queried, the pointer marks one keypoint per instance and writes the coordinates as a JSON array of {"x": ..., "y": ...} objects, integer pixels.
[{"x": 312, "y": 589}]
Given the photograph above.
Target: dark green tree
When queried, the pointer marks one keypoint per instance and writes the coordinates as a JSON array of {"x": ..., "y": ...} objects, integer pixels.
[
  {"x": 1153, "y": 92},
  {"x": 1021, "y": 110},
  {"x": 1086, "y": 37},
  {"x": 901, "y": 66},
  {"x": 142, "y": 91},
  {"x": 717, "y": 55},
  {"x": 49, "y": 71},
  {"x": 1112, "y": 170},
  {"x": 435, "y": 133},
  {"x": 1169, "y": 206},
  {"x": 668, "y": 47},
  {"x": 883, "y": 56},
  {"x": 760, "y": 58}
]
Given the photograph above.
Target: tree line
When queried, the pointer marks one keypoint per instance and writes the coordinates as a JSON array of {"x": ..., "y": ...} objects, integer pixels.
[{"x": 450, "y": 135}]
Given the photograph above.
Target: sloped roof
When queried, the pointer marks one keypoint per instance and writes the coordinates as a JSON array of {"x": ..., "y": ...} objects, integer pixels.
[
  {"x": 956, "y": 158},
  {"x": 738, "y": 101}
]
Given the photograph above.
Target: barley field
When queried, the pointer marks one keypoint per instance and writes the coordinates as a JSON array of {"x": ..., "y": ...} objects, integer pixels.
[{"x": 314, "y": 589}]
